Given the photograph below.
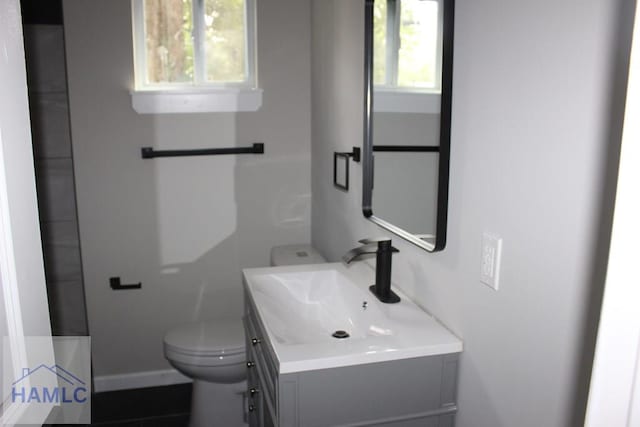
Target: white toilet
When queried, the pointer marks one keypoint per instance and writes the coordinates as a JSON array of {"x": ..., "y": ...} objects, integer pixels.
[{"x": 213, "y": 354}]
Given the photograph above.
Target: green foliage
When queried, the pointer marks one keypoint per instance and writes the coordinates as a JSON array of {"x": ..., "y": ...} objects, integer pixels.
[
  {"x": 416, "y": 36},
  {"x": 168, "y": 37},
  {"x": 169, "y": 25},
  {"x": 225, "y": 40},
  {"x": 187, "y": 27},
  {"x": 379, "y": 42}
]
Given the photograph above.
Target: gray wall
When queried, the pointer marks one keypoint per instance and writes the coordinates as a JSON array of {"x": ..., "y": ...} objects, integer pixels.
[
  {"x": 49, "y": 110},
  {"x": 184, "y": 227},
  {"x": 536, "y": 116}
]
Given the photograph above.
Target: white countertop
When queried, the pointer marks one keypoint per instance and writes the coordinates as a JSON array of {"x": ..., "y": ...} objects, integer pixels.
[{"x": 300, "y": 307}]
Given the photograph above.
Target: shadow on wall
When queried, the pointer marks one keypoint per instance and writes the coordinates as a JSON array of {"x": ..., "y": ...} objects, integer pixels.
[
  {"x": 195, "y": 223},
  {"x": 201, "y": 221},
  {"x": 216, "y": 215}
]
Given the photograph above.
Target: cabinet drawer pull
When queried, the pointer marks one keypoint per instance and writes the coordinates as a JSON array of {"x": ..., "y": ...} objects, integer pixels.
[
  {"x": 251, "y": 364},
  {"x": 252, "y": 408},
  {"x": 255, "y": 341},
  {"x": 253, "y": 391}
]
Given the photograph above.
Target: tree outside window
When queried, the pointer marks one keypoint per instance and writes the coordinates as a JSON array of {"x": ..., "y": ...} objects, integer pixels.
[
  {"x": 194, "y": 42},
  {"x": 407, "y": 38}
]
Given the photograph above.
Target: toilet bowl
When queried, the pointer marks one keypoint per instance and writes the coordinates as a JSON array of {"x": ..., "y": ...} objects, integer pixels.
[
  {"x": 212, "y": 351},
  {"x": 213, "y": 355}
]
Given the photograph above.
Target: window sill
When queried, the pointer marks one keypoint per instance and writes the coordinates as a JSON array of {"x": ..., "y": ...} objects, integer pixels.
[
  {"x": 227, "y": 100},
  {"x": 396, "y": 101}
]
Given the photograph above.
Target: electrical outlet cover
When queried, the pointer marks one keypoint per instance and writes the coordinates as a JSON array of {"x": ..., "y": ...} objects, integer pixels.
[{"x": 490, "y": 260}]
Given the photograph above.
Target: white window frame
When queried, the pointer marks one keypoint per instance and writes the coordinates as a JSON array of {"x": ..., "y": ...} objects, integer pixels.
[
  {"x": 200, "y": 95},
  {"x": 390, "y": 97}
]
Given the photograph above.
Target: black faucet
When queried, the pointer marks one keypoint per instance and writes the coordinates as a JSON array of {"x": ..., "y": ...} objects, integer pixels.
[{"x": 382, "y": 288}]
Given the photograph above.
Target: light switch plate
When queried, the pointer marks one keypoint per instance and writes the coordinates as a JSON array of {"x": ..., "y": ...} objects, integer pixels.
[{"x": 490, "y": 260}]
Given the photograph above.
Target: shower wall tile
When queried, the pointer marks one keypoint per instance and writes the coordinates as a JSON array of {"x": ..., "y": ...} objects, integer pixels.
[
  {"x": 50, "y": 125},
  {"x": 61, "y": 251},
  {"x": 46, "y": 75},
  {"x": 56, "y": 192},
  {"x": 44, "y": 49},
  {"x": 67, "y": 308}
]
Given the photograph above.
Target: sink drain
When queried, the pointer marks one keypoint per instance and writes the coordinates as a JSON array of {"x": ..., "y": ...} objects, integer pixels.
[{"x": 340, "y": 334}]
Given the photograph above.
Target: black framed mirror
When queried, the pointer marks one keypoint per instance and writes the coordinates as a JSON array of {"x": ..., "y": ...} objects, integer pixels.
[{"x": 407, "y": 120}]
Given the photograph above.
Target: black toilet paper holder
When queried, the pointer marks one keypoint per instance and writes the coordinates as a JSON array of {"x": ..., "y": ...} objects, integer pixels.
[{"x": 116, "y": 285}]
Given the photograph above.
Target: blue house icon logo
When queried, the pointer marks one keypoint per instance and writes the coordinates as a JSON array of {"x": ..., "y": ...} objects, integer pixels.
[{"x": 70, "y": 388}]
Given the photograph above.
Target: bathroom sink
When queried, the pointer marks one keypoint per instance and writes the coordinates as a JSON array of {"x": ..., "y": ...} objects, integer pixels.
[
  {"x": 306, "y": 311},
  {"x": 318, "y": 303}
]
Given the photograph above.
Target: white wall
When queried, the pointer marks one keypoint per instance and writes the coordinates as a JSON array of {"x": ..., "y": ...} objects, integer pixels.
[
  {"x": 184, "y": 227},
  {"x": 536, "y": 119}
]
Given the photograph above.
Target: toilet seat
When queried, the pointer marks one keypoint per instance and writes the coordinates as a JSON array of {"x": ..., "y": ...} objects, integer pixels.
[{"x": 213, "y": 343}]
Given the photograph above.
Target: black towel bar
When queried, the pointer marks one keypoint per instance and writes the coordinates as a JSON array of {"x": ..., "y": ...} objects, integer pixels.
[
  {"x": 150, "y": 153},
  {"x": 407, "y": 148}
]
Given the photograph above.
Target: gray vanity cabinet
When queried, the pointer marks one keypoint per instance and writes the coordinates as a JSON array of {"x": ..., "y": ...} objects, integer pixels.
[{"x": 410, "y": 392}]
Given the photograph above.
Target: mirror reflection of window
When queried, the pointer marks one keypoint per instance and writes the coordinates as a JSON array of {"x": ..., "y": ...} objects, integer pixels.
[
  {"x": 407, "y": 130},
  {"x": 379, "y": 43},
  {"x": 408, "y": 117},
  {"x": 407, "y": 36}
]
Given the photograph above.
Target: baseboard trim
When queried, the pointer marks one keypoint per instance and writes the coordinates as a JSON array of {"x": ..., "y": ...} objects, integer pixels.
[{"x": 138, "y": 380}]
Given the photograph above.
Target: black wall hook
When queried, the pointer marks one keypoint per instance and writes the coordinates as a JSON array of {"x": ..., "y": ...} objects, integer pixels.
[{"x": 354, "y": 154}]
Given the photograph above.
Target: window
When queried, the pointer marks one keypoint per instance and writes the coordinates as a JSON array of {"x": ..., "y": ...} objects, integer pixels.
[
  {"x": 194, "y": 56},
  {"x": 408, "y": 45}
]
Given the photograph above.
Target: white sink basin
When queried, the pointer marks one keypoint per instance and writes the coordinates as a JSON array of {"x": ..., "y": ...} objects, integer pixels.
[
  {"x": 302, "y": 306},
  {"x": 319, "y": 302}
]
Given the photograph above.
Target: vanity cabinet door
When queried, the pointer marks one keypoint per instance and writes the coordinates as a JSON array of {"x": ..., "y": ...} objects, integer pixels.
[
  {"x": 261, "y": 375},
  {"x": 254, "y": 396},
  {"x": 255, "y": 411}
]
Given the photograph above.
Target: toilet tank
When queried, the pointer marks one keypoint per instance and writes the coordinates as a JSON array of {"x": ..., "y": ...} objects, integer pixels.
[{"x": 295, "y": 255}]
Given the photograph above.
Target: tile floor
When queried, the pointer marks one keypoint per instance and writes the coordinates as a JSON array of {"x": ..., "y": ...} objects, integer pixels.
[{"x": 166, "y": 406}]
